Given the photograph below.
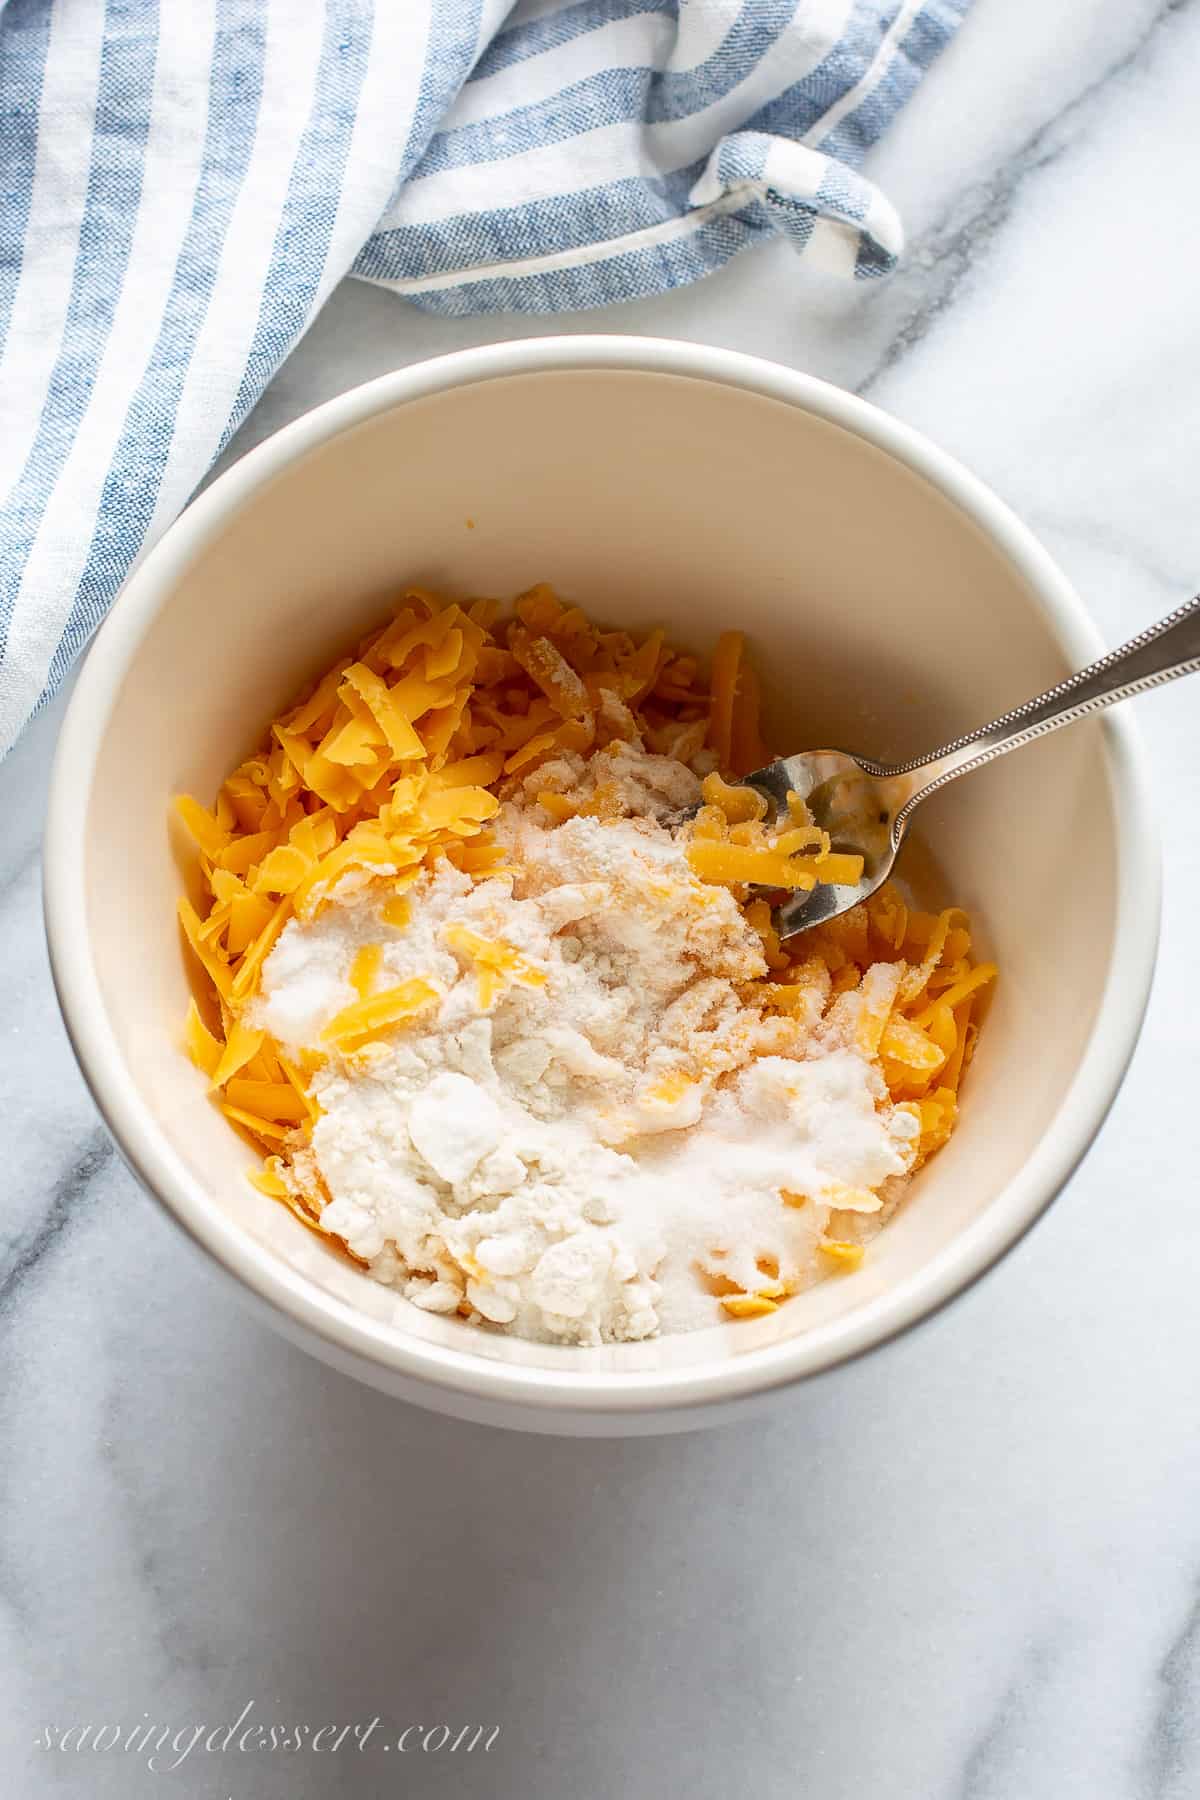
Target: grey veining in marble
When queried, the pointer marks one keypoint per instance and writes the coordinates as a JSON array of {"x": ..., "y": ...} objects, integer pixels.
[{"x": 967, "y": 1569}]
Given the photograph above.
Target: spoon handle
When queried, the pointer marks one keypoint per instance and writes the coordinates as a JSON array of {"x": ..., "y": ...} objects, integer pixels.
[{"x": 1166, "y": 650}]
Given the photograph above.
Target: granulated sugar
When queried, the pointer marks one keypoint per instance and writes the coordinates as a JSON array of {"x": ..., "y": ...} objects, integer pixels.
[{"x": 597, "y": 1125}]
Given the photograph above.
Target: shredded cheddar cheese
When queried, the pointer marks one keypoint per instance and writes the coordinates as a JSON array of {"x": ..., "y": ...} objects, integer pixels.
[
  {"x": 354, "y": 1024},
  {"x": 496, "y": 962},
  {"x": 751, "y": 864},
  {"x": 749, "y": 1306},
  {"x": 398, "y": 757},
  {"x": 365, "y": 968},
  {"x": 842, "y": 1256}
]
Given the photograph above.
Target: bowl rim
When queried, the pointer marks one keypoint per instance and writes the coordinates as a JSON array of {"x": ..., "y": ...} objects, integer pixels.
[{"x": 437, "y": 1375}]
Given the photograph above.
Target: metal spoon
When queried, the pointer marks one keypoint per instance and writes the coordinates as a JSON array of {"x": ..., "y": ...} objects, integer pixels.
[{"x": 866, "y": 808}]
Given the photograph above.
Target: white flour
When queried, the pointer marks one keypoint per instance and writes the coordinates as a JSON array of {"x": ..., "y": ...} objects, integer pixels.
[{"x": 574, "y": 1163}]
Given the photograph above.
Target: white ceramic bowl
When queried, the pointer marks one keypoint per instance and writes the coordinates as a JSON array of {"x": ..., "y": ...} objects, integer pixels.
[{"x": 893, "y": 601}]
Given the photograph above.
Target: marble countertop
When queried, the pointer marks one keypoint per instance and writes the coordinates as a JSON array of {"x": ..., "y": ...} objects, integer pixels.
[{"x": 965, "y": 1569}]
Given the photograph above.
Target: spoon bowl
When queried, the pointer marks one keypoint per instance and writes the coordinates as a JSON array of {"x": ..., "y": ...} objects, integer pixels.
[{"x": 852, "y": 800}]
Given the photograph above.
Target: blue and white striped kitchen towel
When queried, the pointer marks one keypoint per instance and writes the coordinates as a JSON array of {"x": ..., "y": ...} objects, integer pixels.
[{"x": 186, "y": 180}]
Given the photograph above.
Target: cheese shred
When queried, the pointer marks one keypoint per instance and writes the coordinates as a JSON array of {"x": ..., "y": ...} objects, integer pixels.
[{"x": 388, "y": 763}]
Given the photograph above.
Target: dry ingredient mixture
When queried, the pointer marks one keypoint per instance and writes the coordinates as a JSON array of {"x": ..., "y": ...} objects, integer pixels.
[{"x": 529, "y": 1053}]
